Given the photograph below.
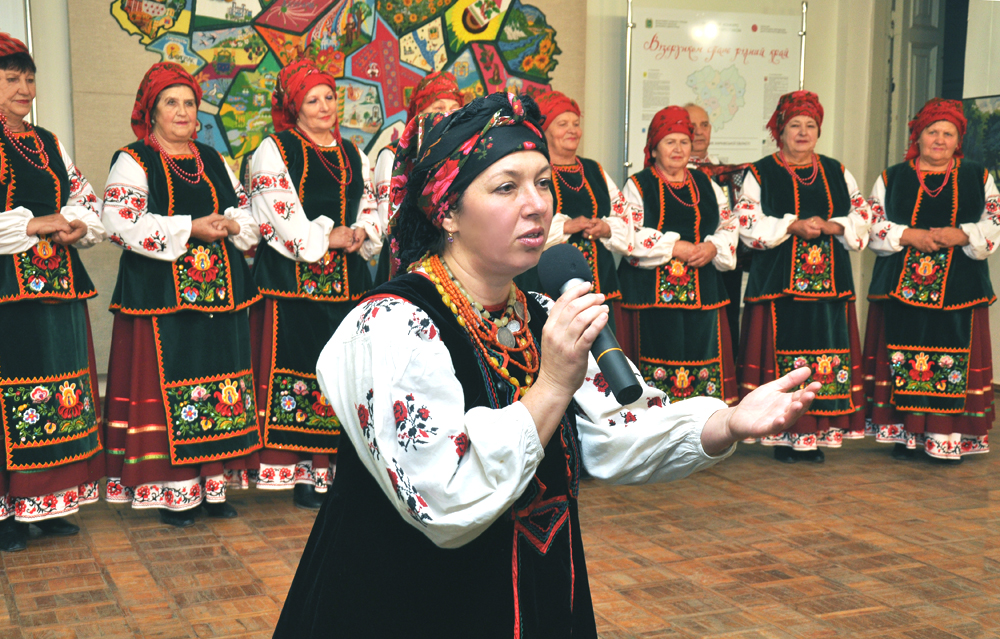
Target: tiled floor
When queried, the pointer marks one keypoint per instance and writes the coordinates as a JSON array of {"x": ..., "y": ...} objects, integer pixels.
[{"x": 862, "y": 546}]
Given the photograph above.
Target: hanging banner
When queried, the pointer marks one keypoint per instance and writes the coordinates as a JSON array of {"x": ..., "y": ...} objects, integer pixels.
[{"x": 733, "y": 65}]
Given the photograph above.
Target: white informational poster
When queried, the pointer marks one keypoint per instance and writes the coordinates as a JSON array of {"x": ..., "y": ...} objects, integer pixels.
[{"x": 734, "y": 65}]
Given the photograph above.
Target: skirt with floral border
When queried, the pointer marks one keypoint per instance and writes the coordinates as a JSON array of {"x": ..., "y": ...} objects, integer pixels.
[
  {"x": 944, "y": 436},
  {"x": 138, "y": 461}
]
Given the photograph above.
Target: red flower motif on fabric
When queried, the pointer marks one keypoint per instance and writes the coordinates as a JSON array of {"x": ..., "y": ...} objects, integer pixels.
[
  {"x": 461, "y": 444},
  {"x": 203, "y": 265},
  {"x": 322, "y": 406},
  {"x": 45, "y": 256},
  {"x": 399, "y": 411},
  {"x": 654, "y": 401},
  {"x": 601, "y": 384},
  {"x": 229, "y": 399},
  {"x": 155, "y": 243},
  {"x": 266, "y": 231}
]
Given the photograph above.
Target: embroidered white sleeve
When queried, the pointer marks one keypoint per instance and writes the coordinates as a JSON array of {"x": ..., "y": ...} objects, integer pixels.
[
  {"x": 726, "y": 235},
  {"x": 858, "y": 222},
  {"x": 249, "y": 233},
  {"x": 368, "y": 218},
  {"x": 449, "y": 473},
  {"x": 127, "y": 218},
  {"x": 82, "y": 204},
  {"x": 14, "y": 236},
  {"x": 884, "y": 236},
  {"x": 984, "y": 234},
  {"x": 650, "y": 440},
  {"x": 278, "y": 212},
  {"x": 622, "y": 240},
  {"x": 382, "y": 178},
  {"x": 651, "y": 248},
  {"x": 757, "y": 229}
]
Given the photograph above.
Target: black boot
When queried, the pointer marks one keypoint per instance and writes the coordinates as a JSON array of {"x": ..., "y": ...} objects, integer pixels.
[
  {"x": 305, "y": 496},
  {"x": 13, "y": 535},
  {"x": 785, "y": 454},
  {"x": 177, "y": 518},
  {"x": 815, "y": 456},
  {"x": 219, "y": 510},
  {"x": 58, "y": 527},
  {"x": 900, "y": 451}
]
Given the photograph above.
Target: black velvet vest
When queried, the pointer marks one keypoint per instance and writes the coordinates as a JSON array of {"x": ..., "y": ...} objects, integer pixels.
[
  {"x": 47, "y": 271},
  {"x": 210, "y": 277},
  {"x": 525, "y": 576},
  {"x": 805, "y": 269},
  {"x": 338, "y": 276},
  {"x": 675, "y": 284},
  {"x": 948, "y": 279}
]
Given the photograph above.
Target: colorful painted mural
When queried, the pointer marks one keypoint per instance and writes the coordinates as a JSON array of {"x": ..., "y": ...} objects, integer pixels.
[{"x": 378, "y": 49}]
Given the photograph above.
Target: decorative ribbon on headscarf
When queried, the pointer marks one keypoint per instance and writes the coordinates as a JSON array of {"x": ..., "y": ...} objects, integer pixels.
[
  {"x": 438, "y": 85},
  {"x": 937, "y": 110},
  {"x": 552, "y": 104},
  {"x": 9, "y": 45},
  {"x": 160, "y": 76},
  {"x": 294, "y": 82},
  {"x": 432, "y": 171},
  {"x": 791, "y": 105},
  {"x": 673, "y": 119}
]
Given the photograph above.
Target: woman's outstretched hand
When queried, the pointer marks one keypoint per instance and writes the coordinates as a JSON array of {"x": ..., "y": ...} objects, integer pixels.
[{"x": 768, "y": 410}]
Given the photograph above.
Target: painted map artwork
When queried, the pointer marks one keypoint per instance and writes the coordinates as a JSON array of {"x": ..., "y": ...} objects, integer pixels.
[{"x": 379, "y": 50}]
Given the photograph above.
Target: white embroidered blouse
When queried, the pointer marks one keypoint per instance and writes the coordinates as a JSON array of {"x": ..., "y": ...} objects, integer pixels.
[
  {"x": 161, "y": 237},
  {"x": 761, "y": 231},
  {"x": 653, "y": 248},
  {"x": 283, "y": 222},
  {"x": 451, "y": 472},
  {"x": 620, "y": 220},
  {"x": 82, "y": 204},
  {"x": 983, "y": 235}
]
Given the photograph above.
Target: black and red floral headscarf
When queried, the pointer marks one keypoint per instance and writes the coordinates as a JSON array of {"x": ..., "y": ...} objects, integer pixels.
[
  {"x": 791, "y": 105},
  {"x": 160, "y": 76},
  {"x": 294, "y": 82},
  {"x": 937, "y": 110}
]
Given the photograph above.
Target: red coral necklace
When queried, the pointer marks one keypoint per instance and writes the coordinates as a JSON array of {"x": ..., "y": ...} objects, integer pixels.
[
  {"x": 795, "y": 176},
  {"x": 190, "y": 178},
  {"x": 573, "y": 168},
  {"x": 687, "y": 180},
  {"x": 23, "y": 149},
  {"x": 920, "y": 178}
]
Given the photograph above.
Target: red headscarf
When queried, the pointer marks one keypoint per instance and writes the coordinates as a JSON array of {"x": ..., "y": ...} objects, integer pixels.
[
  {"x": 936, "y": 110},
  {"x": 436, "y": 86},
  {"x": 791, "y": 105},
  {"x": 552, "y": 104},
  {"x": 673, "y": 119},
  {"x": 160, "y": 76},
  {"x": 9, "y": 45},
  {"x": 294, "y": 82}
]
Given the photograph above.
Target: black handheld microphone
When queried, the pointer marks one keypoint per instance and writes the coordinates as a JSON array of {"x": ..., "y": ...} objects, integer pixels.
[{"x": 562, "y": 267}]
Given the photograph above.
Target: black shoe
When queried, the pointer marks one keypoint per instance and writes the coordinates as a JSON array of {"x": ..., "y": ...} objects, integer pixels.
[
  {"x": 13, "y": 535},
  {"x": 785, "y": 454},
  {"x": 305, "y": 496},
  {"x": 900, "y": 451},
  {"x": 58, "y": 527},
  {"x": 220, "y": 510},
  {"x": 814, "y": 456},
  {"x": 946, "y": 462},
  {"x": 178, "y": 519}
]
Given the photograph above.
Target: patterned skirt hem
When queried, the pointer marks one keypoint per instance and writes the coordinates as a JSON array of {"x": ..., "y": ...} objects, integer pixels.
[
  {"x": 831, "y": 438},
  {"x": 57, "y": 504},
  {"x": 286, "y": 476},
  {"x": 939, "y": 446},
  {"x": 176, "y": 496}
]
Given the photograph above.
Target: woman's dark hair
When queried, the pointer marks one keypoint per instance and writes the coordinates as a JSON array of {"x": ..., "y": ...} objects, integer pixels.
[
  {"x": 414, "y": 235},
  {"x": 20, "y": 62}
]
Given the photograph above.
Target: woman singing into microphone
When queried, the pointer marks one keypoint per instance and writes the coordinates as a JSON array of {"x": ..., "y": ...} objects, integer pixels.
[{"x": 460, "y": 474}]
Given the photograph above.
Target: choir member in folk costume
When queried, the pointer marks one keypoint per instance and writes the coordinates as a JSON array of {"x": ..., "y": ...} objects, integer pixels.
[
  {"x": 438, "y": 92},
  {"x": 590, "y": 211},
  {"x": 316, "y": 209},
  {"x": 729, "y": 177},
  {"x": 928, "y": 365},
  {"x": 803, "y": 213},
  {"x": 460, "y": 476},
  {"x": 673, "y": 292},
  {"x": 51, "y": 416},
  {"x": 180, "y": 403}
]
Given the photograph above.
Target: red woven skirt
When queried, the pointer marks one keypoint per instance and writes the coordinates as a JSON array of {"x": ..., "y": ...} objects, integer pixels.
[
  {"x": 756, "y": 366},
  {"x": 942, "y": 435}
]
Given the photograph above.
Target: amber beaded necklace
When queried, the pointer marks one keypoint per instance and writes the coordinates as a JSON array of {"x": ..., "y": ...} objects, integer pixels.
[
  {"x": 23, "y": 149},
  {"x": 485, "y": 332}
]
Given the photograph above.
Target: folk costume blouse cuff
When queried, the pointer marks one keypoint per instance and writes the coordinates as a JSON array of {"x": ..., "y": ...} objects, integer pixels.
[
  {"x": 858, "y": 222},
  {"x": 82, "y": 204},
  {"x": 14, "y": 236},
  {"x": 984, "y": 234}
]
